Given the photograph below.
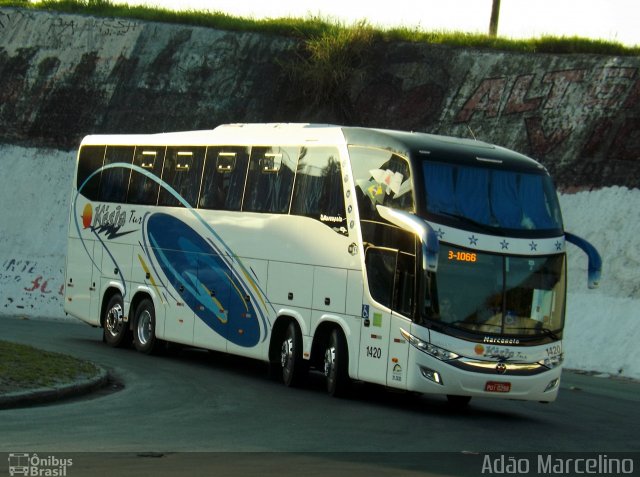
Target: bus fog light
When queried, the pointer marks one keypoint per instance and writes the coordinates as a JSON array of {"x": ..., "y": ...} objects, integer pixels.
[
  {"x": 552, "y": 384},
  {"x": 431, "y": 375}
]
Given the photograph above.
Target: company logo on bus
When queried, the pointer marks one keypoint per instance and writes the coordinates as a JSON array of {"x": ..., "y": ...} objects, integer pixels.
[
  {"x": 501, "y": 341},
  {"x": 87, "y": 216}
]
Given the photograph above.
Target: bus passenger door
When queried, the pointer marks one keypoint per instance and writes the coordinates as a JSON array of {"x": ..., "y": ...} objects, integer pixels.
[
  {"x": 398, "y": 352},
  {"x": 376, "y": 323},
  {"x": 403, "y": 303},
  {"x": 374, "y": 342}
]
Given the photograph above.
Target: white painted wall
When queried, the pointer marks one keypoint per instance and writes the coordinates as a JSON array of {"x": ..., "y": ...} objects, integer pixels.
[{"x": 35, "y": 188}]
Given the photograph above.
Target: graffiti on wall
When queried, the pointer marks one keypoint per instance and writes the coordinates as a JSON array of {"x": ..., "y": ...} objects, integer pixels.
[
  {"x": 601, "y": 105},
  {"x": 28, "y": 285}
]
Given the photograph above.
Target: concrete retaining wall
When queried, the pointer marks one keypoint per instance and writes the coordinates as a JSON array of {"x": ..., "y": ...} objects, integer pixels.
[{"x": 65, "y": 76}]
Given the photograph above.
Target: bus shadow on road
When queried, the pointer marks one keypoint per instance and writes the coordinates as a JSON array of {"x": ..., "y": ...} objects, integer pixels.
[{"x": 365, "y": 393}]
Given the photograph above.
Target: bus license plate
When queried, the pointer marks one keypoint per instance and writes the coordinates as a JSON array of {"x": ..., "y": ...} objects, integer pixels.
[{"x": 497, "y": 387}]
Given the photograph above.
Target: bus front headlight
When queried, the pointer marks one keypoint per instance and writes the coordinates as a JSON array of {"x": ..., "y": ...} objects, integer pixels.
[
  {"x": 431, "y": 349},
  {"x": 552, "y": 362}
]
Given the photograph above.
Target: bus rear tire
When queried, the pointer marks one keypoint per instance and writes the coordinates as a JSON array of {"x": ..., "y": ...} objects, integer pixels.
[
  {"x": 144, "y": 327},
  {"x": 294, "y": 368},
  {"x": 115, "y": 329},
  {"x": 336, "y": 364}
]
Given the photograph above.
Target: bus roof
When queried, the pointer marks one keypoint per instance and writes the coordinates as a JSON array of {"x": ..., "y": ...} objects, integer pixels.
[{"x": 412, "y": 144}]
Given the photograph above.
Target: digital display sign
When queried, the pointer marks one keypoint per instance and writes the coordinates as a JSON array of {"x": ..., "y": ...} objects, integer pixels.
[{"x": 462, "y": 256}]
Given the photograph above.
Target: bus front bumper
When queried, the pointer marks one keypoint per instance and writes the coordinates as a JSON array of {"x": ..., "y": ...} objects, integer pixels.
[{"x": 462, "y": 377}]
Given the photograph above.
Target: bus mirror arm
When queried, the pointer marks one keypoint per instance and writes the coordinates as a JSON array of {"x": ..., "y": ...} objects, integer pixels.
[
  {"x": 595, "y": 262},
  {"x": 414, "y": 224}
]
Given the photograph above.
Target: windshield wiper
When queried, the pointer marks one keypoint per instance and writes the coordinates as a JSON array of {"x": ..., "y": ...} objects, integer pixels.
[
  {"x": 545, "y": 331},
  {"x": 475, "y": 223}
]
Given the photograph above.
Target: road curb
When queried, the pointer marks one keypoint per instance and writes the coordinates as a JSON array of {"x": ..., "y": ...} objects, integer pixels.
[{"x": 55, "y": 393}]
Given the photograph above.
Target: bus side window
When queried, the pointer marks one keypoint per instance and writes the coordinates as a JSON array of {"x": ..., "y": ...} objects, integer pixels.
[
  {"x": 404, "y": 284},
  {"x": 381, "y": 269},
  {"x": 383, "y": 177},
  {"x": 270, "y": 179},
  {"x": 182, "y": 170},
  {"x": 115, "y": 180},
  {"x": 142, "y": 189},
  {"x": 224, "y": 177},
  {"x": 318, "y": 191},
  {"x": 90, "y": 160}
]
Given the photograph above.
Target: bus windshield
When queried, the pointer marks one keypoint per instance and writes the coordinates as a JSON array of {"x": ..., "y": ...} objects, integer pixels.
[
  {"x": 497, "y": 294},
  {"x": 492, "y": 197}
]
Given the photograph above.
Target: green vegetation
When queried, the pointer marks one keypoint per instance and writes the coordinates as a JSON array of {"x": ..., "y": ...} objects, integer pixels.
[
  {"x": 318, "y": 33},
  {"x": 330, "y": 60},
  {"x": 23, "y": 367}
]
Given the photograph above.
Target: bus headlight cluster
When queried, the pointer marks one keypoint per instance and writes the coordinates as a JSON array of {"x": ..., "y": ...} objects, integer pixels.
[
  {"x": 432, "y": 350},
  {"x": 552, "y": 362}
]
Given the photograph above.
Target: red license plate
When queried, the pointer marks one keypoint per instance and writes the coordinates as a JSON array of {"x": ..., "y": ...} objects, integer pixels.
[{"x": 497, "y": 387}]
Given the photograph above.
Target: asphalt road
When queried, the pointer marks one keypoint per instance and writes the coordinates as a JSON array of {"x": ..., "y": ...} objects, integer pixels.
[{"x": 195, "y": 401}]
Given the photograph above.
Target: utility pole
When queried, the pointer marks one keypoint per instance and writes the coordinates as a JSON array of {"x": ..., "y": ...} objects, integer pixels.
[{"x": 495, "y": 14}]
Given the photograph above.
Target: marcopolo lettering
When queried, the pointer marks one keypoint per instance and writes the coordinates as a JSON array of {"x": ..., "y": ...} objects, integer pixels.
[
  {"x": 502, "y": 341},
  {"x": 330, "y": 218}
]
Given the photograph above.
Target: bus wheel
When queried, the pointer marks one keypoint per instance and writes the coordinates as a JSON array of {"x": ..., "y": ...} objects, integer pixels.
[
  {"x": 458, "y": 402},
  {"x": 336, "y": 364},
  {"x": 293, "y": 367},
  {"x": 116, "y": 330},
  {"x": 144, "y": 327}
]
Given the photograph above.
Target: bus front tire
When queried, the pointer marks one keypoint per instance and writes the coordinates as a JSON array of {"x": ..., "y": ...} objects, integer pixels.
[
  {"x": 116, "y": 329},
  {"x": 291, "y": 362},
  {"x": 458, "y": 402},
  {"x": 144, "y": 327},
  {"x": 336, "y": 364}
]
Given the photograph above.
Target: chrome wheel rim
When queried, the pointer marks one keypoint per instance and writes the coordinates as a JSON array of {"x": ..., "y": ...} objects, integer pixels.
[
  {"x": 144, "y": 327},
  {"x": 114, "y": 320},
  {"x": 329, "y": 360},
  {"x": 286, "y": 353}
]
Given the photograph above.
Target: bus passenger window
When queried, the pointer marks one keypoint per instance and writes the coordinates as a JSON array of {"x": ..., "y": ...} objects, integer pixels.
[
  {"x": 182, "y": 170},
  {"x": 383, "y": 178},
  {"x": 404, "y": 284},
  {"x": 142, "y": 189},
  {"x": 225, "y": 171},
  {"x": 318, "y": 189},
  {"x": 381, "y": 268},
  {"x": 270, "y": 179},
  {"x": 90, "y": 160},
  {"x": 115, "y": 180}
]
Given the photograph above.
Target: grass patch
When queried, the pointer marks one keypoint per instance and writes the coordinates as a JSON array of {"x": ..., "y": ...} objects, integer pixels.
[
  {"x": 314, "y": 29},
  {"x": 24, "y": 367},
  {"x": 330, "y": 60}
]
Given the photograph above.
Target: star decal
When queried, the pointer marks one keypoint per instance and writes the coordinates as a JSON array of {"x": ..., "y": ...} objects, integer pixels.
[
  {"x": 558, "y": 245},
  {"x": 505, "y": 245},
  {"x": 473, "y": 240},
  {"x": 440, "y": 233},
  {"x": 533, "y": 246}
]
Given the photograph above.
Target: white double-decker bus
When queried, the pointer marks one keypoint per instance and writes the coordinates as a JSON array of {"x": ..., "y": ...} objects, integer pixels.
[{"x": 418, "y": 262}]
